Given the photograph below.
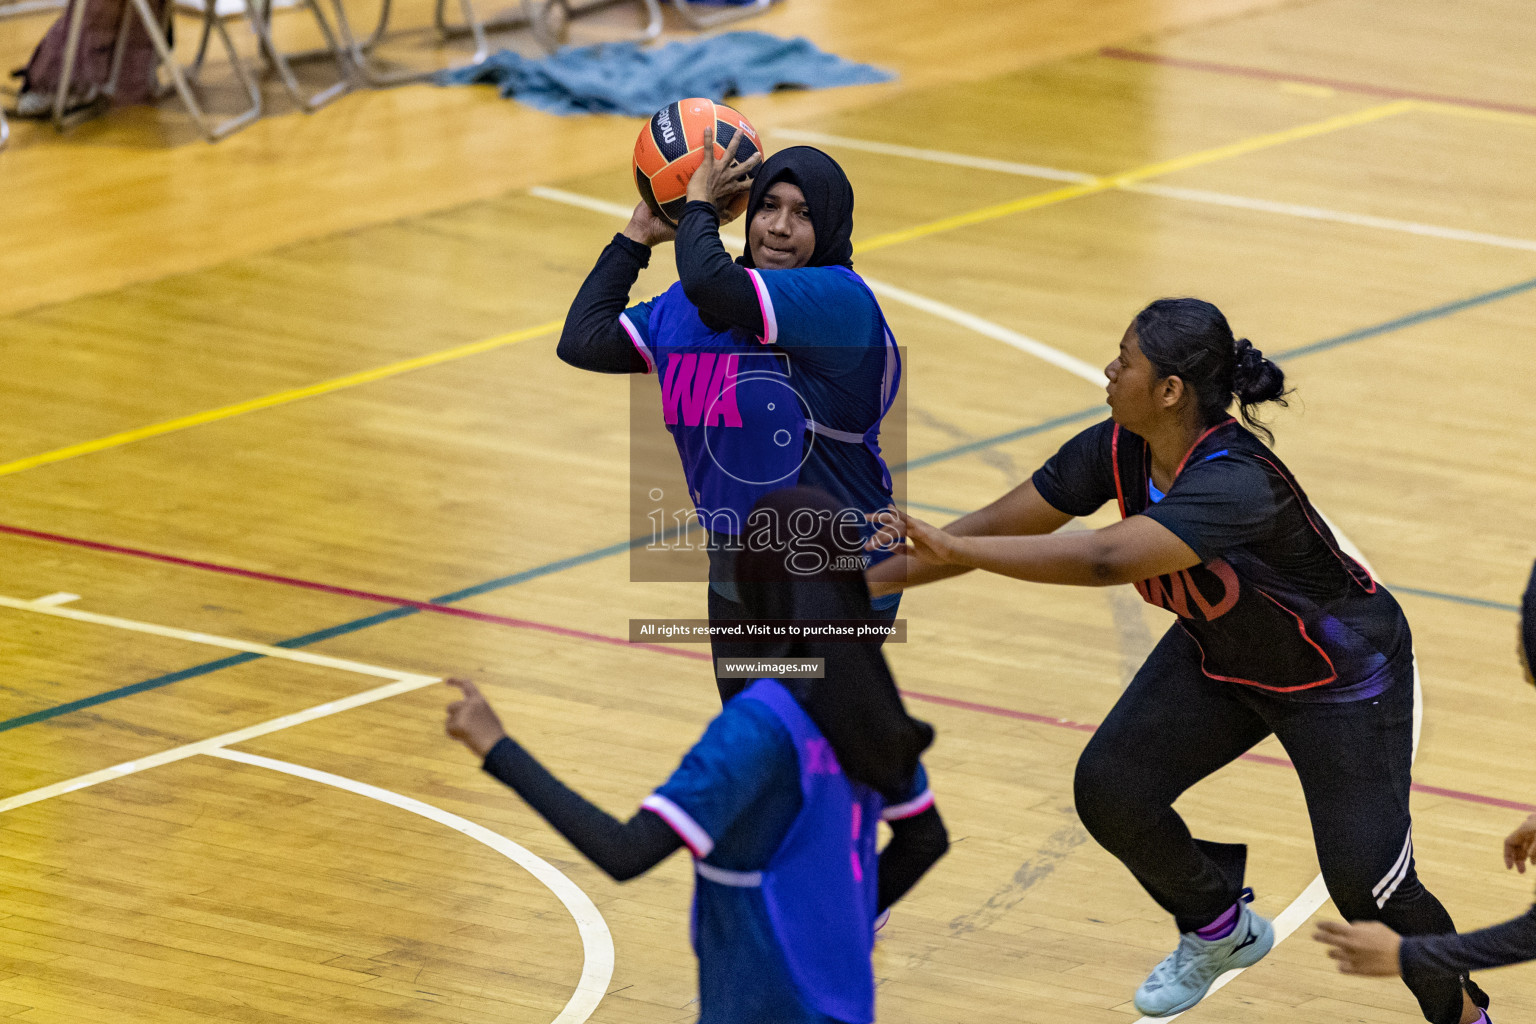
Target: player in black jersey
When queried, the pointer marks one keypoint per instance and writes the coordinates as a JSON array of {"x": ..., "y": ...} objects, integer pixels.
[
  {"x": 1278, "y": 632},
  {"x": 1370, "y": 947}
]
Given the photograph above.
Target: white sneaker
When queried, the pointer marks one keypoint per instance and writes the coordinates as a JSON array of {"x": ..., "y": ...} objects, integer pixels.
[{"x": 1186, "y": 975}]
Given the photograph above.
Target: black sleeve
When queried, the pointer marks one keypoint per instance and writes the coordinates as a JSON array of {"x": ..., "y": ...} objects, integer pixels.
[
  {"x": 916, "y": 845},
  {"x": 714, "y": 282},
  {"x": 622, "y": 849},
  {"x": 1220, "y": 504},
  {"x": 1512, "y": 942},
  {"x": 592, "y": 338},
  {"x": 1080, "y": 477}
]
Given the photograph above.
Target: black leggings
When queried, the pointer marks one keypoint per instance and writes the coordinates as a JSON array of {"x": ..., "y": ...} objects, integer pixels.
[
  {"x": 723, "y": 609},
  {"x": 1174, "y": 725}
]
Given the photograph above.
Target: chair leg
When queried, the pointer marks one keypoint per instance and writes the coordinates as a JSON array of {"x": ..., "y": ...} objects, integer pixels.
[
  {"x": 252, "y": 86},
  {"x": 537, "y": 12},
  {"x": 449, "y": 30},
  {"x": 687, "y": 9},
  {"x": 211, "y": 132},
  {"x": 119, "y": 49},
  {"x": 357, "y": 52},
  {"x": 75, "y": 12},
  {"x": 477, "y": 30},
  {"x": 210, "y": 15},
  {"x": 260, "y": 19}
]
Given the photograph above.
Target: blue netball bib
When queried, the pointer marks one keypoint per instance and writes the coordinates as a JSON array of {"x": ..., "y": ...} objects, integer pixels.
[
  {"x": 820, "y": 885},
  {"x": 732, "y": 409}
]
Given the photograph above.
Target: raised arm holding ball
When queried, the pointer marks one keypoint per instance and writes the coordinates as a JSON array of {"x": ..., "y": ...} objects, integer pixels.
[{"x": 776, "y": 368}]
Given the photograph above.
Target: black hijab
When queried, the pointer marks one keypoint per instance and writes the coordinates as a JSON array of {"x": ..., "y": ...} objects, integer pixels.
[
  {"x": 827, "y": 192},
  {"x": 856, "y": 705}
]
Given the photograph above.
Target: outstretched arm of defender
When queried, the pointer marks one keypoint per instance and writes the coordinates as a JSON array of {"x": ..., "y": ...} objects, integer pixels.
[
  {"x": 1133, "y": 549},
  {"x": 1020, "y": 512}
]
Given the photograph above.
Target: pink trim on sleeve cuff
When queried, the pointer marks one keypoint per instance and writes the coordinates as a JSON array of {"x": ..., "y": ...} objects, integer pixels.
[
  {"x": 911, "y": 809},
  {"x": 765, "y": 302},
  {"x": 686, "y": 828},
  {"x": 634, "y": 339}
]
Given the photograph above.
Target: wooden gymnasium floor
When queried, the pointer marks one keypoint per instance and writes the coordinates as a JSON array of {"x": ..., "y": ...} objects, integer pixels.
[{"x": 322, "y": 351}]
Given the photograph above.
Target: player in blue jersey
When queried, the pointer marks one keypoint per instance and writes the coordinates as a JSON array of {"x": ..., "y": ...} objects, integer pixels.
[
  {"x": 1370, "y": 947},
  {"x": 1278, "y": 632},
  {"x": 775, "y": 369},
  {"x": 779, "y": 804}
]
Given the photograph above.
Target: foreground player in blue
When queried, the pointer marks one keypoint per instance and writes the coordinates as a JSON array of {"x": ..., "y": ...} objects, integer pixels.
[
  {"x": 779, "y": 803},
  {"x": 1278, "y": 631},
  {"x": 775, "y": 370},
  {"x": 1370, "y": 947}
]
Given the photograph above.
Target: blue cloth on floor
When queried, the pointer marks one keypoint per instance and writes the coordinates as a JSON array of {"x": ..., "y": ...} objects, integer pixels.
[{"x": 624, "y": 78}]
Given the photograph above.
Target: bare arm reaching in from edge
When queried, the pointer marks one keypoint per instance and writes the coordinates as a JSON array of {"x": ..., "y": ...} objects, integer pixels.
[{"x": 1370, "y": 947}]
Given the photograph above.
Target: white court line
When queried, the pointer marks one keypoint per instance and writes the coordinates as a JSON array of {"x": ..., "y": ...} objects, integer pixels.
[
  {"x": 596, "y": 940},
  {"x": 1200, "y": 195},
  {"x": 52, "y": 600},
  {"x": 1192, "y": 195},
  {"x": 43, "y": 607},
  {"x": 936, "y": 156},
  {"x": 405, "y": 684},
  {"x": 1039, "y": 349},
  {"x": 1316, "y": 893}
]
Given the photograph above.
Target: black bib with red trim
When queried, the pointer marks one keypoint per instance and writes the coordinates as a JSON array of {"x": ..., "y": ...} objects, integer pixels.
[{"x": 1252, "y": 626}]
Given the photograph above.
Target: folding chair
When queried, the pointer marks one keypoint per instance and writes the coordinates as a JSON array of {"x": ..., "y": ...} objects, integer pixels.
[
  {"x": 535, "y": 14},
  {"x": 551, "y": 36},
  {"x": 358, "y": 50},
  {"x": 259, "y": 13},
  {"x": 156, "y": 27}
]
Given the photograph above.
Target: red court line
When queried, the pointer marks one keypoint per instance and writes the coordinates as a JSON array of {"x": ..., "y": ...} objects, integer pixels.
[
  {"x": 1280, "y": 762},
  {"x": 1363, "y": 88},
  {"x": 327, "y": 588},
  {"x": 581, "y": 634}
]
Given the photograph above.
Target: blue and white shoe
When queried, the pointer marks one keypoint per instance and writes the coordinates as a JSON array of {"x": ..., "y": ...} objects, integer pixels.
[{"x": 1186, "y": 975}]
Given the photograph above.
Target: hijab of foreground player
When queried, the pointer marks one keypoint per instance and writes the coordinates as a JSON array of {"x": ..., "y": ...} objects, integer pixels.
[
  {"x": 855, "y": 704},
  {"x": 827, "y": 192}
]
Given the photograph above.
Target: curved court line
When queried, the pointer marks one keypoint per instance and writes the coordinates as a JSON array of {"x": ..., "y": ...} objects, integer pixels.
[
  {"x": 944, "y": 311},
  {"x": 597, "y": 942},
  {"x": 405, "y": 684},
  {"x": 596, "y": 939}
]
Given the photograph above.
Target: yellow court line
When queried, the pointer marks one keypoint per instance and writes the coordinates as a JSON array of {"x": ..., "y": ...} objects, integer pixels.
[
  {"x": 1052, "y": 197},
  {"x": 325, "y": 387},
  {"x": 1153, "y": 170}
]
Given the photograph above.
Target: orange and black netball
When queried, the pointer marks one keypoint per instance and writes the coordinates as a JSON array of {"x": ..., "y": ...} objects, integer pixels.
[{"x": 671, "y": 147}]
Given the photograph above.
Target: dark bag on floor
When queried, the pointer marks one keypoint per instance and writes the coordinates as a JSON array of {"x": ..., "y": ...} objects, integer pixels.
[{"x": 93, "y": 64}]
